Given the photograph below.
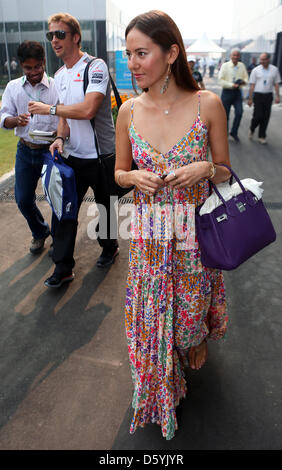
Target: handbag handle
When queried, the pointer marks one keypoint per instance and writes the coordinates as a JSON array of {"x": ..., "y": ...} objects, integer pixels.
[
  {"x": 236, "y": 178},
  {"x": 211, "y": 185}
]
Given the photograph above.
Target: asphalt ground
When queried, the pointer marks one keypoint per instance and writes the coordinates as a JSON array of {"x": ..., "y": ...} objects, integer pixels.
[{"x": 65, "y": 381}]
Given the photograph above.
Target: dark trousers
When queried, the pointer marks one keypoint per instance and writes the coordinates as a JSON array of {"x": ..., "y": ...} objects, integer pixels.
[
  {"x": 27, "y": 173},
  {"x": 86, "y": 175},
  {"x": 211, "y": 70},
  {"x": 262, "y": 111},
  {"x": 233, "y": 98}
]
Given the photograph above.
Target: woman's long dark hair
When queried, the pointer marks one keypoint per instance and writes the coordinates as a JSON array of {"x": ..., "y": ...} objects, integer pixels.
[{"x": 164, "y": 32}]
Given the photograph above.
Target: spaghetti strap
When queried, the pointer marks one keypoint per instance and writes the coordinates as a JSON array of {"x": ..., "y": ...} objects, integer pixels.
[
  {"x": 199, "y": 102},
  {"x": 131, "y": 112}
]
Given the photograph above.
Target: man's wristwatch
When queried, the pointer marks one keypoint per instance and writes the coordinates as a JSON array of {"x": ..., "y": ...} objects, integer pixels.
[{"x": 53, "y": 110}]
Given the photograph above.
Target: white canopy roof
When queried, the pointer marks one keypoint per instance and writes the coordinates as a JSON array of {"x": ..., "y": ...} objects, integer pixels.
[
  {"x": 204, "y": 44},
  {"x": 259, "y": 46}
]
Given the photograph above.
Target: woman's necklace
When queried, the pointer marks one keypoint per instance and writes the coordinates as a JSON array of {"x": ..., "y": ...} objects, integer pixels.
[
  {"x": 164, "y": 111},
  {"x": 167, "y": 109}
]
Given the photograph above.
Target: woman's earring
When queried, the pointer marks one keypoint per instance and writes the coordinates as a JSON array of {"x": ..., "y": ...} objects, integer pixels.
[{"x": 166, "y": 82}]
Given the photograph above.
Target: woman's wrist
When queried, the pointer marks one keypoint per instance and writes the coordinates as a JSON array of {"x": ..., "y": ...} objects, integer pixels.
[
  {"x": 119, "y": 175},
  {"x": 125, "y": 179},
  {"x": 212, "y": 171}
]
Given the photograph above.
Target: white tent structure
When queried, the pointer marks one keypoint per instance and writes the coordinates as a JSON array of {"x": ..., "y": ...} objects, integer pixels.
[
  {"x": 258, "y": 46},
  {"x": 204, "y": 45}
]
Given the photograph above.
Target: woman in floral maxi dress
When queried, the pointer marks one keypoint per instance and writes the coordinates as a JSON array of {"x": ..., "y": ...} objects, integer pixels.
[{"x": 173, "y": 303}]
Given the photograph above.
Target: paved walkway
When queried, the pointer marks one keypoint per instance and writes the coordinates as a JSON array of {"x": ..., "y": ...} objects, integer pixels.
[{"x": 64, "y": 373}]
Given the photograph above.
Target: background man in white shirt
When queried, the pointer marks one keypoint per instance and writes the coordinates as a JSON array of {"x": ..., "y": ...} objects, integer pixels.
[
  {"x": 232, "y": 76},
  {"x": 75, "y": 111},
  {"x": 14, "y": 115},
  {"x": 263, "y": 79}
]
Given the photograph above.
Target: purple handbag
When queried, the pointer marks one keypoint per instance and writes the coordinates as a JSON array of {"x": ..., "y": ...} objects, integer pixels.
[{"x": 234, "y": 231}]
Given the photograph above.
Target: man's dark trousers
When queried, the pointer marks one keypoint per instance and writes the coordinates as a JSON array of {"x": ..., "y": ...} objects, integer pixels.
[
  {"x": 87, "y": 174},
  {"x": 233, "y": 98},
  {"x": 262, "y": 111}
]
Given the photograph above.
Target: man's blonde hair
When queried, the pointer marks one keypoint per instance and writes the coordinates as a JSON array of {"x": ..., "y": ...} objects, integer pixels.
[{"x": 69, "y": 20}]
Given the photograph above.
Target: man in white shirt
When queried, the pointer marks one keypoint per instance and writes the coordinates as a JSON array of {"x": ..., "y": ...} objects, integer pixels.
[
  {"x": 232, "y": 76},
  {"x": 263, "y": 79},
  {"x": 34, "y": 84},
  {"x": 75, "y": 111}
]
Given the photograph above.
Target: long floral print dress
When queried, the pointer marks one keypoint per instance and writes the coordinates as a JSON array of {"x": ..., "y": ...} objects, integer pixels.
[{"x": 172, "y": 301}]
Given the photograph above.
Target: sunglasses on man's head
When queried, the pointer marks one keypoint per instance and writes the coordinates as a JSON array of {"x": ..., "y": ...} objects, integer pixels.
[{"x": 60, "y": 34}]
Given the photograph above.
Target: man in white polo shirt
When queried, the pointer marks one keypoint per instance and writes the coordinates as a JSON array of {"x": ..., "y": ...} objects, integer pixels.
[
  {"x": 263, "y": 79},
  {"x": 75, "y": 111}
]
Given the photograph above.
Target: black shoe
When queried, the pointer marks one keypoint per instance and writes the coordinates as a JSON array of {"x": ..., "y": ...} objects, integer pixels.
[
  {"x": 57, "y": 280},
  {"x": 107, "y": 257},
  {"x": 235, "y": 138}
]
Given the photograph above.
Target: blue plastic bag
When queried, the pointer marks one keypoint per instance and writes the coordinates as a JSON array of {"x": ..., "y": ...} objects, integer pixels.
[{"x": 58, "y": 182}]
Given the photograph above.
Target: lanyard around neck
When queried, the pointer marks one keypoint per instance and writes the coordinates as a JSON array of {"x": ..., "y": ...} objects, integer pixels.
[{"x": 28, "y": 94}]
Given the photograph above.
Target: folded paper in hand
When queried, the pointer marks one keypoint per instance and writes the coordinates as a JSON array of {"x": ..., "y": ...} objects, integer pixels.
[
  {"x": 46, "y": 136},
  {"x": 228, "y": 191}
]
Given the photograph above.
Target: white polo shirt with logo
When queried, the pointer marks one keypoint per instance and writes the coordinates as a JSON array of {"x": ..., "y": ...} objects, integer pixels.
[
  {"x": 265, "y": 78},
  {"x": 69, "y": 84}
]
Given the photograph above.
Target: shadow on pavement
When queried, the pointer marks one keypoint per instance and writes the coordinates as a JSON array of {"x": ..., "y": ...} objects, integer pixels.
[{"x": 43, "y": 339}]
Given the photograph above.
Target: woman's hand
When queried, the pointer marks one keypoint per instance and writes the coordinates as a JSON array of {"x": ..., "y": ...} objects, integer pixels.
[
  {"x": 146, "y": 181},
  {"x": 186, "y": 176},
  {"x": 36, "y": 107}
]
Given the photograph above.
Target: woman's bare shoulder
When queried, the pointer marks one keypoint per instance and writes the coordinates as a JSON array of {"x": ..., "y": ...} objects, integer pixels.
[
  {"x": 209, "y": 98},
  {"x": 126, "y": 106},
  {"x": 125, "y": 109},
  {"x": 211, "y": 106},
  {"x": 124, "y": 113}
]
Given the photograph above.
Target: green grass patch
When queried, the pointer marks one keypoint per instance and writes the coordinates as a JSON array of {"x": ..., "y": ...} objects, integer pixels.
[{"x": 8, "y": 148}]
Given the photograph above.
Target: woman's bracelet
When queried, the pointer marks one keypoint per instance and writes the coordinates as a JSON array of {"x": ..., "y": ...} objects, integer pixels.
[
  {"x": 118, "y": 180},
  {"x": 213, "y": 171}
]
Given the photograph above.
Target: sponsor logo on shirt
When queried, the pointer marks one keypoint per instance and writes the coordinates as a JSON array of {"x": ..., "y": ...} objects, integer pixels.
[
  {"x": 96, "y": 77},
  {"x": 78, "y": 78}
]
